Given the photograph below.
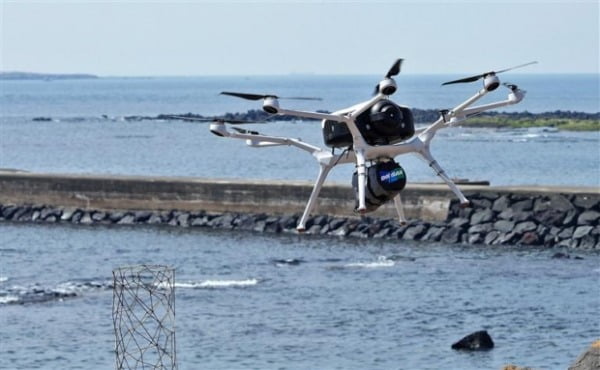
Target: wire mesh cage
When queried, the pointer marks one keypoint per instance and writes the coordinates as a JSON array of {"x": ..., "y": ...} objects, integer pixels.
[{"x": 144, "y": 317}]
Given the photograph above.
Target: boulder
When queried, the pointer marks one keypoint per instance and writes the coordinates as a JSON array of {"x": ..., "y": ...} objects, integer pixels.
[
  {"x": 477, "y": 341},
  {"x": 504, "y": 226},
  {"x": 479, "y": 217},
  {"x": 586, "y": 202},
  {"x": 582, "y": 231},
  {"x": 588, "y": 218},
  {"x": 588, "y": 360}
]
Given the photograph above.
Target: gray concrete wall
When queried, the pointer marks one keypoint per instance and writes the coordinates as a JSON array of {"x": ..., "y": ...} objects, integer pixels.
[{"x": 422, "y": 201}]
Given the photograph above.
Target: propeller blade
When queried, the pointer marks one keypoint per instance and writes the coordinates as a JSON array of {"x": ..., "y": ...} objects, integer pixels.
[
  {"x": 394, "y": 69},
  {"x": 242, "y": 131},
  {"x": 248, "y": 96},
  {"x": 213, "y": 119},
  {"x": 513, "y": 87},
  {"x": 463, "y": 80},
  {"x": 477, "y": 77},
  {"x": 515, "y": 67}
]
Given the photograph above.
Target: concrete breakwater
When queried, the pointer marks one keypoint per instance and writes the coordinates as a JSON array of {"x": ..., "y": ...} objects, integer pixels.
[{"x": 531, "y": 216}]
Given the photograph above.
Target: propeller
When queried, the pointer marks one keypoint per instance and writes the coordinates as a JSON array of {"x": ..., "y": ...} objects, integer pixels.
[
  {"x": 242, "y": 131},
  {"x": 248, "y": 96},
  {"x": 393, "y": 71},
  {"x": 483, "y": 75},
  {"x": 513, "y": 87},
  {"x": 213, "y": 119}
]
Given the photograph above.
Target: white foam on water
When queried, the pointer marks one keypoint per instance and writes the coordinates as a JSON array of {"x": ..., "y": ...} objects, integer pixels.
[
  {"x": 9, "y": 299},
  {"x": 382, "y": 261},
  {"x": 3, "y": 279},
  {"x": 215, "y": 284}
]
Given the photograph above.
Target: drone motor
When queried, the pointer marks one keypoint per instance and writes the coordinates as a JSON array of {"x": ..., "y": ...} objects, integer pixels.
[{"x": 385, "y": 179}]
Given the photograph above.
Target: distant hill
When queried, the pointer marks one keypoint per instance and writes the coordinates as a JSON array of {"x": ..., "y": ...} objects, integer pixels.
[{"x": 44, "y": 76}]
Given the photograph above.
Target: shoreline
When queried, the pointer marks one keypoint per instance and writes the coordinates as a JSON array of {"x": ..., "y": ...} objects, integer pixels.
[{"x": 500, "y": 216}]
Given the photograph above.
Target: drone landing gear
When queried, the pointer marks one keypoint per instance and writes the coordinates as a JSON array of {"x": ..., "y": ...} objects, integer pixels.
[{"x": 323, "y": 172}]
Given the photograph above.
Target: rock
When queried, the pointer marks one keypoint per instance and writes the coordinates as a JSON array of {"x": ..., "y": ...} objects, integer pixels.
[
  {"x": 491, "y": 237},
  {"x": 67, "y": 213},
  {"x": 337, "y": 223},
  {"x": 86, "y": 219},
  {"x": 480, "y": 228},
  {"x": 480, "y": 203},
  {"x": 458, "y": 222},
  {"x": 552, "y": 217},
  {"x": 506, "y": 238},
  {"x": 482, "y": 216},
  {"x": 587, "y": 242},
  {"x": 414, "y": 232},
  {"x": 116, "y": 216},
  {"x": 588, "y": 360},
  {"x": 588, "y": 218},
  {"x": 434, "y": 234},
  {"x": 451, "y": 235},
  {"x": 561, "y": 255},
  {"x": 77, "y": 215},
  {"x": 566, "y": 233},
  {"x": 582, "y": 231},
  {"x": 477, "y": 341},
  {"x": 501, "y": 204},
  {"x": 183, "y": 219},
  {"x": 586, "y": 201},
  {"x": 522, "y": 227},
  {"x": 127, "y": 219},
  {"x": 530, "y": 238},
  {"x": 98, "y": 216},
  {"x": 515, "y": 367},
  {"x": 142, "y": 216},
  {"x": 155, "y": 219},
  {"x": 561, "y": 203},
  {"x": 570, "y": 218},
  {"x": 523, "y": 205},
  {"x": 9, "y": 211},
  {"x": 504, "y": 226}
]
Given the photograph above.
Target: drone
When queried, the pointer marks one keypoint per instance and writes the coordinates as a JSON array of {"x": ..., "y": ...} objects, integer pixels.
[{"x": 370, "y": 135}]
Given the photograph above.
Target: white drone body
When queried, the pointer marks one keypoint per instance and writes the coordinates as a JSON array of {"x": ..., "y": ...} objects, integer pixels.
[{"x": 363, "y": 151}]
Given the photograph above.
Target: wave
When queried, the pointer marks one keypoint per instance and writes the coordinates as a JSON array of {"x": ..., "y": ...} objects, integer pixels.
[
  {"x": 217, "y": 284},
  {"x": 3, "y": 279},
  {"x": 382, "y": 261},
  {"x": 37, "y": 293}
]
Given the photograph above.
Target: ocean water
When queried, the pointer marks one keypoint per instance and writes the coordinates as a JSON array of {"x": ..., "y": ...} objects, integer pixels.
[
  {"x": 345, "y": 304},
  {"x": 342, "y": 304}
]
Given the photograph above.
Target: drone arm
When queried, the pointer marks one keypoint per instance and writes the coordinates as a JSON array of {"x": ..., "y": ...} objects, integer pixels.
[
  {"x": 513, "y": 98},
  {"x": 313, "y": 115},
  {"x": 426, "y": 155}
]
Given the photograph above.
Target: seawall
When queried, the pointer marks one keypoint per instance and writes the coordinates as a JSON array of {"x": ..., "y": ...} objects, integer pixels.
[{"x": 543, "y": 216}]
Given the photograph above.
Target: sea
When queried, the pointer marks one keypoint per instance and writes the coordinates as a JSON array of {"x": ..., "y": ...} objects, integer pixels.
[{"x": 253, "y": 301}]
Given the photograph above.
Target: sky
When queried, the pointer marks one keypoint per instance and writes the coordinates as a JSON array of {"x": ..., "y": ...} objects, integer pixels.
[{"x": 185, "y": 38}]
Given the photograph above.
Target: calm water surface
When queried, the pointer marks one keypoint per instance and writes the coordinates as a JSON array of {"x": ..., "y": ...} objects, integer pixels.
[{"x": 349, "y": 304}]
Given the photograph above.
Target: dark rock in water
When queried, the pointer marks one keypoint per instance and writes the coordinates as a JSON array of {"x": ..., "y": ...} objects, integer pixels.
[
  {"x": 588, "y": 360},
  {"x": 477, "y": 341},
  {"x": 561, "y": 255},
  {"x": 287, "y": 262}
]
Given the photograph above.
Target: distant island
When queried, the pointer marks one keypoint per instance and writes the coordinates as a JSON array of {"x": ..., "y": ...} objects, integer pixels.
[
  {"x": 561, "y": 120},
  {"x": 44, "y": 76}
]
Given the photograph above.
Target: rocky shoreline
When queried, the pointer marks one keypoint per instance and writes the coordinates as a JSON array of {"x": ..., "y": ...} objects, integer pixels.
[{"x": 567, "y": 221}]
